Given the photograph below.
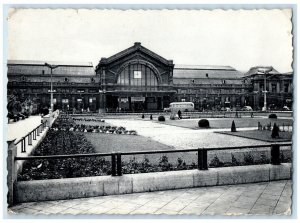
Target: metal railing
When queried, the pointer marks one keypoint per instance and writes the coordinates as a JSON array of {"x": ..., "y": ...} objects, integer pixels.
[
  {"x": 116, "y": 157},
  {"x": 29, "y": 137}
]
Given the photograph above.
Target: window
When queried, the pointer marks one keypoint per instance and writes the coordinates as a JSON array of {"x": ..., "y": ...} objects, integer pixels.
[
  {"x": 80, "y": 90},
  {"x": 43, "y": 71},
  {"x": 137, "y": 75},
  {"x": 286, "y": 88},
  {"x": 66, "y": 79},
  {"x": 206, "y": 74},
  {"x": 274, "y": 88}
]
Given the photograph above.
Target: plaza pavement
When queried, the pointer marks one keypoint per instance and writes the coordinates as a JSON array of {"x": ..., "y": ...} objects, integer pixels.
[
  {"x": 184, "y": 138},
  {"x": 16, "y": 130},
  {"x": 265, "y": 198}
]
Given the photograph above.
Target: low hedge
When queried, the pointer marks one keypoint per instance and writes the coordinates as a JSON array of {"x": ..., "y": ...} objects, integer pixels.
[
  {"x": 273, "y": 116},
  {"x": 203, "y": 123},
  {"x": 161, "y": 118}
]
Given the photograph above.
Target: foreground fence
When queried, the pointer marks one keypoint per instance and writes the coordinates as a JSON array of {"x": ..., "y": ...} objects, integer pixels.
[
  {"x": 116, "y": 159},
  {"x": 29, "y": 137}
]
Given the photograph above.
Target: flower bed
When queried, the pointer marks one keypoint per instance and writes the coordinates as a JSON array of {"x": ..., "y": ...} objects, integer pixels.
[{"x": 64, "y": 143}]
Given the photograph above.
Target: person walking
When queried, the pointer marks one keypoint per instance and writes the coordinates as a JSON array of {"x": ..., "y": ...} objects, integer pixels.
[{"x": 179, "y": 114}]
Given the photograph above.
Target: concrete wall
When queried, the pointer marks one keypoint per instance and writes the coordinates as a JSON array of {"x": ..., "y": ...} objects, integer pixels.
[{"x": 56, "y": 189}]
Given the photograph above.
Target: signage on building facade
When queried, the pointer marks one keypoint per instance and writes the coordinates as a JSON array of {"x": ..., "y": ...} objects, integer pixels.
[
  {"x": 137, "y": 74},
  {"x": 137, "y": 99},
  {"x": 124, "y": 100}
]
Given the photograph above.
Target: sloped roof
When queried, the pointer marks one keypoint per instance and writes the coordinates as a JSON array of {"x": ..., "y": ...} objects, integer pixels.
[
  {"x": 256, "y": 71},
  {"x": 135, "y": 47},
  {"x": 206, "y": 72},
  {"x": 61, "y": 63},
  {"x": 203, "y": 67},
  {"x": 27, "y": 67}
]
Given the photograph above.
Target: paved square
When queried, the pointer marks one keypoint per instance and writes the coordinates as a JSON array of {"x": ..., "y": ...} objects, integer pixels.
[{"x": 266, "y": 198}]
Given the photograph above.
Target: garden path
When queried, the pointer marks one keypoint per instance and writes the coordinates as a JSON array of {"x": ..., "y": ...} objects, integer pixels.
[{"x": 16, "y": 130}]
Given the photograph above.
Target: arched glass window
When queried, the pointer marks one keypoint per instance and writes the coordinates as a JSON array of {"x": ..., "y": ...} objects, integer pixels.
[{"x": 137, "y": 75}]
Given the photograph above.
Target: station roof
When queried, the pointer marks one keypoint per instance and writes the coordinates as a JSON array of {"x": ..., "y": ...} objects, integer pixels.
[
  {"x": 39, "y": 62},
  {"x": 30, "y": 67},
  {"x": 206, "y": 72},
  {"x": 257, "y": 71}
]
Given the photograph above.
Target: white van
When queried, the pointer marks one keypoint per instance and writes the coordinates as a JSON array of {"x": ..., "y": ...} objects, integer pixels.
[{"x": 182, "y": 106}]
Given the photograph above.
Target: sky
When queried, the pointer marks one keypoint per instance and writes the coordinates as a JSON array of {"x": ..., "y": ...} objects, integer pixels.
[{"x": 241, "y": 39}]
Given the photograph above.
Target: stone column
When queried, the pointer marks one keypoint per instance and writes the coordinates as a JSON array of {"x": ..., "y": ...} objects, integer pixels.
[{"x": 12, "y": 171}]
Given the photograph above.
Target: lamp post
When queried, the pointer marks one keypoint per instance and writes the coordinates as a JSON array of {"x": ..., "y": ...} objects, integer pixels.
[
  {"x": 51, "y": 88},
  {"x": 265, "y": 71},
  {"x": 101, "y": 98}
]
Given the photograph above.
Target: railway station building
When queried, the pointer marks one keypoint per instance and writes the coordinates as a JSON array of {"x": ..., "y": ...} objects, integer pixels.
[{"x": 139, "y": 80}]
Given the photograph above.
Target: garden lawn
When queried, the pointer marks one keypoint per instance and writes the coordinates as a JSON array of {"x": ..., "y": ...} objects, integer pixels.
[
  {"x": 264, "y": 135},
  {"x": 105, "y": 143},
  {"x": 226, "y": 122}
]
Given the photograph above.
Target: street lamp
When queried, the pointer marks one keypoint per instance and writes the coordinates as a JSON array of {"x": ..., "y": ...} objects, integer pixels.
[
  {"x": 51, "y": 89},
  {"x": 265, "y": 71}
]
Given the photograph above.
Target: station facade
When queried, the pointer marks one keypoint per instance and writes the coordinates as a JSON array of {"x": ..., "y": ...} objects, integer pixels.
[{"x": 136, "y": 80}]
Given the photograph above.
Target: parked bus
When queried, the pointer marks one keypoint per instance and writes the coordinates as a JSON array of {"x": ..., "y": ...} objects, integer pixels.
[{"x": 182, "y": 106}]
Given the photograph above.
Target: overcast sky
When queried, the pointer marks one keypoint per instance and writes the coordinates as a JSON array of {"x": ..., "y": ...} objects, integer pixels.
[{"x": 240, "y": 39}]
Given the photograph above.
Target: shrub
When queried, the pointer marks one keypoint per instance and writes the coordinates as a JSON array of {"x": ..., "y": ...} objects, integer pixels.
[
  {"x": 264, "y": 159},
  {"x": 164, "y": 164},
  {"x": 215, "y": 162},
  {"x": 161, "y": 118},
  {"x": 275, "y": 131},
  {"x": 233, "y": 128},
  {"x": 204, "y": 123},
  {"x": 248, "y": 159},
  {"x": 234, "y": 161},
  {"x": 273, "y": 116}
]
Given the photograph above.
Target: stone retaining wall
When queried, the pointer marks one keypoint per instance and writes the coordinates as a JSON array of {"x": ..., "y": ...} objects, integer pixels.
[{"x": 41, "y": 190}]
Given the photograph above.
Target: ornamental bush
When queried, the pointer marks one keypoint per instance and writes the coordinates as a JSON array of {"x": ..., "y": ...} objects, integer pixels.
[
  {"x": 273, "y": 116},
  {"x": 275, "y": 131},
  {"x": 248, "y": 159},
  {"x": 233, "y": 128},
  {"x": 161, "y": 118},
  {"x": 203, "y": 123}
]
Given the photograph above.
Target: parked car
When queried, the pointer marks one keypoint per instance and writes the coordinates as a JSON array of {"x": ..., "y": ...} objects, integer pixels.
[
  {"x": 286, "y": 108},
  {"x": 167, "y": 109},
  {"x": 247, "y": 108},
  {"x": 226, "y": 109}
]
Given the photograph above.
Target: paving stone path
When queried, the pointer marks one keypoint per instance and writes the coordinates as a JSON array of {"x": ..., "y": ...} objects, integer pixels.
[{"x": 266, "y": 198}]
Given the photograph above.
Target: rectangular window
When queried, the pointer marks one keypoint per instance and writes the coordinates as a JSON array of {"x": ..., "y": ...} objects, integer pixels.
[
  {"x": 80, "y": 90},
  {"x": 286, "y": 88},
  {"x": 274, "y": 88}
]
